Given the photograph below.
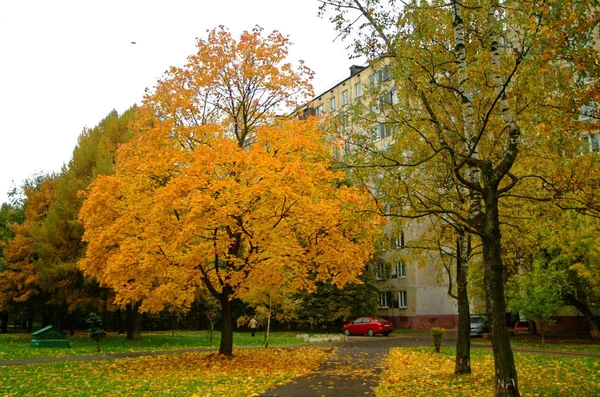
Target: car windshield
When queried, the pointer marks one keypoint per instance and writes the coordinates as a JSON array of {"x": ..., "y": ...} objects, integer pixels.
[
  {"x": 477, "y": 320},
  {"x": 380, "y": 320}
]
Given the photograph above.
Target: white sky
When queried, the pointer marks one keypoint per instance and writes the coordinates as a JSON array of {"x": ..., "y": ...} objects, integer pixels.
[{"x": 65, "y": 64}]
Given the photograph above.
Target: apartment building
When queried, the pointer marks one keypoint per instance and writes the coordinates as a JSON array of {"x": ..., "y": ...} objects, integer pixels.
[{"x": 412, "y": 294}]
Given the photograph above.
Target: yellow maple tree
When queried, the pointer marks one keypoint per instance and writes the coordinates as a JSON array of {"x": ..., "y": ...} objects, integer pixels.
[{"x": 214, "y": 191}]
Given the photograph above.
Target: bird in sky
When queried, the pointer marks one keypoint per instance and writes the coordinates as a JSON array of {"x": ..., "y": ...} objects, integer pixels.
[{"x": 133, "y": 42}]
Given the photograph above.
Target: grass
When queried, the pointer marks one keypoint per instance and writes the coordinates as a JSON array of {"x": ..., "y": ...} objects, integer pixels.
[
  {"x": 248, "y": 373},
  {"x": 422, "y": 372},
  {"x": 558, "y": 342},
  {"x": 17, "y": 346}
]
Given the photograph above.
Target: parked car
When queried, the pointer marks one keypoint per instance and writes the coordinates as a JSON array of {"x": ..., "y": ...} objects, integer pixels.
[
  {"x": 368, "y": 326},
  {"x": 479, "y": 325}
]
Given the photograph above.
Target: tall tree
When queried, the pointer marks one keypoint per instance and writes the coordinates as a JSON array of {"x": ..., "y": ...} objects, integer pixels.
[
  {"x": 46, "y": 243},
  {"x": 473, "y": 79},
  {"x": 214, "y": 191},
  {"x": 559, "y": 265},
  {"x": 19, "y": 278}
]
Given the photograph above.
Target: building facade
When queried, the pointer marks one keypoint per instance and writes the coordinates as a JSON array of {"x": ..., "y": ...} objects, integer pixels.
[{"x": 412, "y": 294}]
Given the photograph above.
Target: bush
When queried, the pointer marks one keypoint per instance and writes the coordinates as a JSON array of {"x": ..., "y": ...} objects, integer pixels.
[{"x": 436, "y": 335}]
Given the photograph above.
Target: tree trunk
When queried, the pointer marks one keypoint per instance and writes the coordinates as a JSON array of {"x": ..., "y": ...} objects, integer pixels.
[
  {"x": 71, "y": 323},
  {"x": 593, "y": 320},
  {"x": 4, "y": 320},
  {"x": 226, "y": 346},
  {"x": 119, "y": 322},
  {"x": 129, "y": 322},
  {"x": 268, "y": 325},
  {"x": 542, "y": 331},
  {"x": 595, "y": 328},
  {"x": 46, "y": 317},
  {"x": 134, "y": 322},
  {"x": 137, "y": 327},
  {"x": 211, "y": 330},
  {"x": 463, "y": 343},
  {"x": 533, "y": 327},
  {"x": 504, "y": 363}
]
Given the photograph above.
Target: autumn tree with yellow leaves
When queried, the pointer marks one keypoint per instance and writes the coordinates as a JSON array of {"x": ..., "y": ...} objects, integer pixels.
[
  {"x": 216, "y": 192},
  {"x": 478, "y": 86}
]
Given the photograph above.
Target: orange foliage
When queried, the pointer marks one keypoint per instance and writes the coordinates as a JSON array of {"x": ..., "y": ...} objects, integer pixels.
[{"x": 215, "y": 191}]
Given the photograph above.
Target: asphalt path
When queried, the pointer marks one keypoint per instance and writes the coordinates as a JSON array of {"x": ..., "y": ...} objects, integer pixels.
[{"x": 356, "y": 368}]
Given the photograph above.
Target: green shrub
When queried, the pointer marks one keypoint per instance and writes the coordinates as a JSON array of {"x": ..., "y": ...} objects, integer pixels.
[{"x": 436, "y": 335}]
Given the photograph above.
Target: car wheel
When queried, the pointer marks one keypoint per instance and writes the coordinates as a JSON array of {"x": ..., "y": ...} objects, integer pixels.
[
  {"x": 370, "y": 332},
  {"x": 386, "y": 333},
  {"x": 347, "y": 332}
]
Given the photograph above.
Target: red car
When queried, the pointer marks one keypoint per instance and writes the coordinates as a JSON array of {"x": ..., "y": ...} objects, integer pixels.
[{"x": 369, "y": 326}]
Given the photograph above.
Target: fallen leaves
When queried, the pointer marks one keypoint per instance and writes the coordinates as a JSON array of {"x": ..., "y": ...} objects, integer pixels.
[
  {"x": 421, "y": 372},
  {"x": 248, "y": 373}
]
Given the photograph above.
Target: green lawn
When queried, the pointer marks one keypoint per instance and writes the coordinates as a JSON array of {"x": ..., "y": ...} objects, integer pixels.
[
  {"x": 17, "y": 346},
  {"x": 559, "y": 342},
  {"x": 422, "y": 372}
]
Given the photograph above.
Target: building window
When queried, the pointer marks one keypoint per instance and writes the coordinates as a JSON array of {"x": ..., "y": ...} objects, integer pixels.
[
  {"x": 379, "y": 76},
  {"x": 375, "y": 79},
  {"x": 344, "y": 97},
  {"x": 332, "y": 103},
  {"x": 385, "y": 73},
  {"x": 402, "y": 300},
  {"x": 394, "y": 97},
  {"x": 592, "y": 141},
  {"x": 399, "y": 239},
  {"x": 357, "y": 90},
  {"x": 383, "y": 299},
  {"x": 381, "y": 271},
  {"x": 319, "y": 110},
  {"x": 588, "y": 111},
  {"x": 381, "y": 131},
  {"x": 399, "y": 270}
]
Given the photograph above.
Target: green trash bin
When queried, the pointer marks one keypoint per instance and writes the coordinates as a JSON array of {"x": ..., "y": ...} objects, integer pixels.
[{"x": 49, "y": 337}]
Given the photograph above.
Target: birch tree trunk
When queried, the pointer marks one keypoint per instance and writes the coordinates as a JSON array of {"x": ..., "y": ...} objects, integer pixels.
[{"x": 463, "y": 343}]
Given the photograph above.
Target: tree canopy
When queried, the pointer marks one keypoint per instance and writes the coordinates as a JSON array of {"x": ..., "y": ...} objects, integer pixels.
[
  {"x": 486, "y": 102},
  {"x": 214, "y": 191}
]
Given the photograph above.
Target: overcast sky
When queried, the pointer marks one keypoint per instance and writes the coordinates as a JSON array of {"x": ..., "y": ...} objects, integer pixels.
[{"x": 65, "y": 64}]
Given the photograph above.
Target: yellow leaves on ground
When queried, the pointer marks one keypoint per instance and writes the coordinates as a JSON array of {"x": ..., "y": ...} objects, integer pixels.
[
  {"x": 247, "y": 373},
  {"x": 421, "y": 372}
]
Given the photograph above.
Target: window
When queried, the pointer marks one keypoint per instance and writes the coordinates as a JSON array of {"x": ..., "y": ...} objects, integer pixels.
[
  {"x": 394, "y": 97},
  {"x": 399, "y": 270},
  {"x": 375, "y": 79},
  {"x": 344, "y": 97},
  {"x": 347, "y": 148},
  {"x": 588, "y": 111},
  {"x": 385, "y": 73},
  {"x": 399, "y": 239},
  {"x": 319, "y": 110},
  {"x": 381, "y": 131},
  {"x": 383, "y": 299},
  {"x": 379, "y": 76},
  {"x": 332, "y": 103},
  {"x": 402, "y": 300},
  {"x": 592, "y": 141},
  {"x": 375, "y": 106},
  {"x": 357, "y": 90},
  {"x": 391, "y": 299},
  {"x": 381, "y": 271}
]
